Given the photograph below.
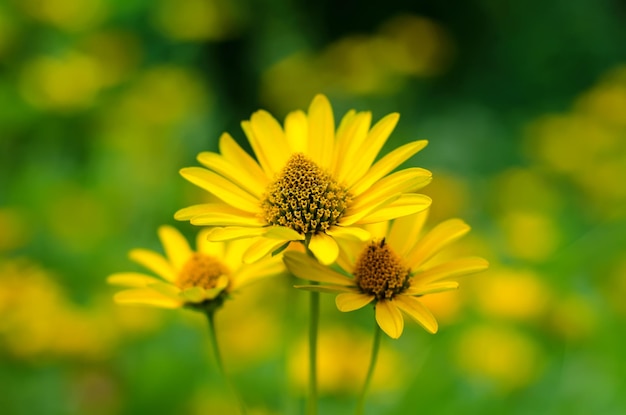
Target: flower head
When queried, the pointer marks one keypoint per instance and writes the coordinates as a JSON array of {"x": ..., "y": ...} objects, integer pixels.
[
  {"x": 312, "y": 182},
  {"x": 391, "y": 271},
  {"x": 199, "y": 279}
]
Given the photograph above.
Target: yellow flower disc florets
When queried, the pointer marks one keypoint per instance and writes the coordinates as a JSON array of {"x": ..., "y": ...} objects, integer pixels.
[
  {"x": 304, "y": 198},
  {"x": 201, "y": 270},
  {"x": 380, "y": 272}
]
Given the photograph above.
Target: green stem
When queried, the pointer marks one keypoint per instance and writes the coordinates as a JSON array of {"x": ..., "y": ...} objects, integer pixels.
[
  {"x": 218, "y": 357},
  {"x": 314, "y": 317},
  {"x": 314, "y": 312},
  {"x": 360, "y": 407}
]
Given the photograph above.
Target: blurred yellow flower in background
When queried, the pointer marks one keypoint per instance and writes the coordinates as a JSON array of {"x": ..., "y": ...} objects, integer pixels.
[
  {"x": 8, "y": 32},
  {"x": 530, "y": 236},
  {"x": 68, "y": 15},
  {"x": 392, "y": 271},
  {"x": 606, "y": 100},
  {"x": 451, "y": 194},
  {"x": 197, "y": 20},
  {"x": 526, "y": 190},
  {"x": 39, "y": 319},
  {"x": 574, "y": 318},
  {"x": 615, "y": 289},
  {"x": 16, "y": 231},
  {"x": 201, "y": 279},
  {"x": 513, "y": 294},
  {"x": 311, "y": 184},
  {"x": 68, "y": 82},
  {"x": 342, "y": 352},
  {"x": 405, "y": 46},
  {"x": 589, "y": 138},
  {"x": 117, "y": 52},
  {"x": 416, "y": 45},
  {"x": 505, "y": 357},
  {"x": 182, "y": 89}
]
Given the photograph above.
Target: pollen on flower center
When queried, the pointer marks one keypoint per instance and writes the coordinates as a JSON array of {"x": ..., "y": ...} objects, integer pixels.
[
  {"x": 201, "y": 270},
  {"x": 304, "y": 198},
  {"x": 380, "y": 272}
]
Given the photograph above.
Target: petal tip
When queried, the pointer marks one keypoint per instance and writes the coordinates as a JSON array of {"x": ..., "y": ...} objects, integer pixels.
[
  {"x": 184, "y": 171},
  {"x": 180, "y": 214},
  {"x": 320, "y": 99}
]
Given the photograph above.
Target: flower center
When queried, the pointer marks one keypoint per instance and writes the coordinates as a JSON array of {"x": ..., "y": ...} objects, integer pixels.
[
  {"x": 304, "y": 198},
  {"x": 380, "y": 272},
  {"x": 201, "y": 271}
]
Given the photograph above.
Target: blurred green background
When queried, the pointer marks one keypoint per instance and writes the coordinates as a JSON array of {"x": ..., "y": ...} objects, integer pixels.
[{"x": 524, "y": 104}]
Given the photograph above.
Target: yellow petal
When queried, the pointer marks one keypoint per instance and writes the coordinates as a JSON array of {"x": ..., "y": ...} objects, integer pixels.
[
  {"x": 215, "y": 162},
  {"x": 238, "y": 157},
  {"x": 234, "y": 232},
  {"x": 432, "y": 288},
  {"x": 205, "y": 246},
  {"x": 377, "y": 230},
  {"x": 226, "y": 219},
  {"x": 264, "y": 268},
  {"x": 321, "y": 132},
  {"x": 346, "y": 121},
  {"x": 324, "y": 248},
  {"x": 307, "y": 268},
  {"x": 222, "y": 188},
  {"x": 131, "y": 279},
  {"x": 146, "y": 296},
  {"x": 168, "y": 290},
  {"x": 348, "y": 253},
  {"x": 386, "y": 165},
  {"x": 405, "y": 232},
  {"x": 349, "y": 232},
  {"x": 450, "y": 269},
  {"x": 222, "y": 281},
  {"x": 403, "y": 181},
  {"x": 297, "y": 131},
  {"x": 389, "y": 318},
  {"x": 351, "y": 134},
  {"x": 282, "y": 232},
  {"x": 260, "y": 248},
  {"x": 353, "y": 301},
  {"x": 176, "y": 246},
  {"x": 268, "y": 141},
  {"x": 193, "y": 294},
  {"x": 406, "y": 204},
  {"x": 434, "y": 241},
  {"x": 331, "y": 289},
  {"x": 234, "y": 252},
  {"x": 417, "y": 311},
  {"x": 203, "y": 208},
  {"x": 371, "y": 147},
  {"x": 212, "y": 293},
  {"x": 154, "y": 262}
]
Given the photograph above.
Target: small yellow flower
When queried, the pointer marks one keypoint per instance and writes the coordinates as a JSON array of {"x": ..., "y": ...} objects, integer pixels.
[
  {"x": 392, "y": 271},
  {"x": 200, "y": 279},
  {"x": 312, "y": 183}
]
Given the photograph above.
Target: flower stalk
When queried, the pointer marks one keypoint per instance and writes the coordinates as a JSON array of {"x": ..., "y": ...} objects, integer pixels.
[
  {"x": 314, "y": 312},
  {"x": 210, "y": 313},
  {"x": 314, "y": 315},
  {"x": 360, "y": 407}
]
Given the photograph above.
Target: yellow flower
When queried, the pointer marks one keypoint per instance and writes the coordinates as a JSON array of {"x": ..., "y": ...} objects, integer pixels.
[
  {"x": 311, "y": 183},
  {"x": 200, "y": 279},
  {"x": 392, "y": 271}
]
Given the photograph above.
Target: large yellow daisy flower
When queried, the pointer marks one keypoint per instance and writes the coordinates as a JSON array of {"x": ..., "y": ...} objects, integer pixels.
[
  {"x": 199, "y": 279},
  {"x": 392, "y": 271},
  {"x": 311, "y": 183}
]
